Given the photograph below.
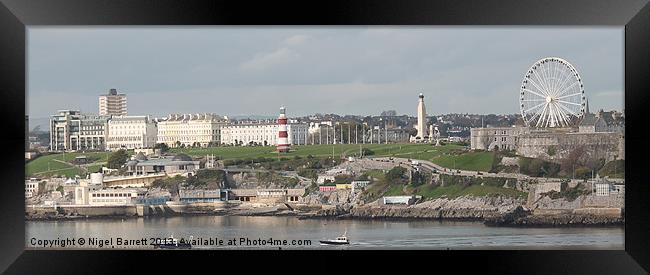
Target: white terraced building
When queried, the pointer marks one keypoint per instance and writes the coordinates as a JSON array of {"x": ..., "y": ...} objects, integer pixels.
[
  {"x": 190, "y": 129},
  {"x": 131, "y": 132},
  {"x": 264, "y": 133}
]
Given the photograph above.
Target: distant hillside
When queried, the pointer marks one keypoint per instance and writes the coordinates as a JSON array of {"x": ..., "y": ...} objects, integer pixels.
[{"x": 42, "y": 122}]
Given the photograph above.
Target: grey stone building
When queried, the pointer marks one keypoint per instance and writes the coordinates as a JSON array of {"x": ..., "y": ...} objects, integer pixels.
[{"x": 499, "y": 138}]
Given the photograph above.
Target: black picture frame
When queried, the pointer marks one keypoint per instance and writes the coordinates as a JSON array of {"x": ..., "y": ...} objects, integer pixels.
[{"x": 16, "y": 15}]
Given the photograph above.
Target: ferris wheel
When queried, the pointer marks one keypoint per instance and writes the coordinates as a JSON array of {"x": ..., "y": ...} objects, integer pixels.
[{"x": 552, "y": 94}]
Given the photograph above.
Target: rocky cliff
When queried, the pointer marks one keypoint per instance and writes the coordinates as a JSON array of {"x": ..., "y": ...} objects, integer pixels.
[{"x": 468, "y": 207}]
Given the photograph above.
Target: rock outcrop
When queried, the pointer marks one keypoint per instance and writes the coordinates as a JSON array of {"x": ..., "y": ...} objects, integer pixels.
[{"x": 463, "y": 208}]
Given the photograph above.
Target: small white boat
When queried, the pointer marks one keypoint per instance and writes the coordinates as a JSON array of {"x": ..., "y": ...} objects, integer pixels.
[
  {"x": 172, "y": 243},
  {"x": 343, "y": 239}
]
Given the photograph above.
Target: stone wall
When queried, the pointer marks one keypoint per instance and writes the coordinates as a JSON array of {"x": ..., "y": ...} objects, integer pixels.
[
  {"x": 610, "y": 212},
  {"x": 597, "y": 145},
  {"x": 122, "y": 210}
]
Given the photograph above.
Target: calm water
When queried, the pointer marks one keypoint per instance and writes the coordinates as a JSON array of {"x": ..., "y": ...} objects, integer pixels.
[{"x": 362, "y": 234}]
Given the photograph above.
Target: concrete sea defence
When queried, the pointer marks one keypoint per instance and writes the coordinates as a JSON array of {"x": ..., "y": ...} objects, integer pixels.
[{"x": 578, "y": 217}]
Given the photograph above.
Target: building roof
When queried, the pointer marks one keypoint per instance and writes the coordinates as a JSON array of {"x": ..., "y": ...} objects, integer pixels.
[
  {"x": 588, "y": 120},
  {"x": 192, "y": 117},
  {"x": 140, "y": 156},
  {"x": 199, "y": 193},
  {"x": 129, "y": 118},
  {"x": 182, "y": 157}
]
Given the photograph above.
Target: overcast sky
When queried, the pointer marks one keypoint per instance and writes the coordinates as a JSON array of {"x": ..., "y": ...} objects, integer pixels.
[{"x": 343, "y": 70}]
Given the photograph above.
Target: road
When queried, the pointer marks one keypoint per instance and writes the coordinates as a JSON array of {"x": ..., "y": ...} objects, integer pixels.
[{"x": 430, "y": 166}]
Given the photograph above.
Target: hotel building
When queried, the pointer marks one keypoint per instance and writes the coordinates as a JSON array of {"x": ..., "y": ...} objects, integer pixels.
[
  {"x": 262, "y": 133},
  {"x": 190, "y": 129},
  {"x": 131, "y": 132}
]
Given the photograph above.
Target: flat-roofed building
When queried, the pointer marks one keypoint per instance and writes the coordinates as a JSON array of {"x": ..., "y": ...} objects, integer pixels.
[
  {"x": 71, "y": 130},
  {"x": 64, "y": 125},
  {"x": 268, "y": 195},
  {"x": 112, "y": 103},
  {"x": 180, "y": 164},
  {"x": 119, "y": 196},
  {"x": 406, "y": 200},
  {"x": 199, "y": 195}
]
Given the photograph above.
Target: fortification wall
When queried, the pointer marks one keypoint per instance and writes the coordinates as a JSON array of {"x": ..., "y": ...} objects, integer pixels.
[{"x": 560, "y": 145}]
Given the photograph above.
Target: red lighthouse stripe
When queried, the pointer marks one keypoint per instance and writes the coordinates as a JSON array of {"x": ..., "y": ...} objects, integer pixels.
[
  {"x": 283, "y": 134},
  {"x": 282, "y": 121}
]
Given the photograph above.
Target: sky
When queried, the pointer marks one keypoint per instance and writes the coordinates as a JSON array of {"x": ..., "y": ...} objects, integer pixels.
[{"x": 344, "y": 70}]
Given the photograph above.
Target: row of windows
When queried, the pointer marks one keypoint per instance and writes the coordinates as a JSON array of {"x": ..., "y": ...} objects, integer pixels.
[
  {"x": 203, "y": 138},
  {"x": 89, "y": 133},
  {"x": 92, "y": 127},
  {"x": 185, "y": 125},
  {"x": 188, "y": 132},
  {"x": 113, "y": 127},
  {"x": 111, "y": 195},
  {"x": 121, "y": 133},
  {"x": 132, "y": 138}
]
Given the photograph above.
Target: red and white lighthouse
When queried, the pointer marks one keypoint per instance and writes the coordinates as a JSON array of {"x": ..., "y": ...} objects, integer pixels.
[{"x": 283, "y": 137}]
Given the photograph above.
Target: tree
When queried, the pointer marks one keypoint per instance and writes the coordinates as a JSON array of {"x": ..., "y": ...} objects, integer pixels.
[
  {"x": 367, "y": 152},
  {"x": 551, "y": 151},
  {"x": 178, "y": 143},
  {"x": 162, "y": 146},
  {"x": 395, "y": 173},
  {"x": 117, "y": 159}
]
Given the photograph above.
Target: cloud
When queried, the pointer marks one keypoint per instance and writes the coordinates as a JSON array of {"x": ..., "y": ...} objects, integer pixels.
[
  {"x": 345, "y": 70},
  {"x": 281, "y": 56},
  {"x": 618, "y": 94},
  {"x": 296, "y": 40}
]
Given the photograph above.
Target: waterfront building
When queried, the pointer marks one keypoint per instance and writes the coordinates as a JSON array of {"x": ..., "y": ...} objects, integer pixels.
[
  {"x": 262, "y": 133},
  {"x": 112, "y": 103},
  {"x": 180, "y": 164},
  {"x": 133, "y": 180},
  {"x": 190, "y": 129},
  {"x": 406, "y": 200},
  {"x": 155, "y": 198},
  {"x": 268, "y": 195},
  {"x": 131, "y": 132},
  {"x": 199, "y": 195},
  {"x": 120, "y": 196}
]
